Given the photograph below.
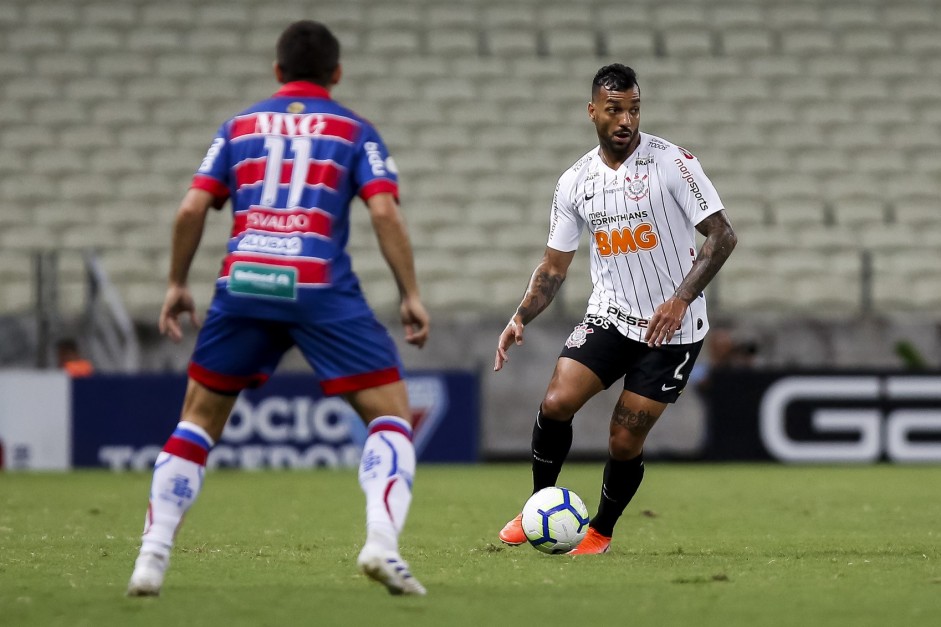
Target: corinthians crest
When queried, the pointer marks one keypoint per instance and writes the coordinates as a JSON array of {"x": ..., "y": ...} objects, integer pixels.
[
  {"x": 579, "y": 336},
  {"x": 635, "y": 188}
]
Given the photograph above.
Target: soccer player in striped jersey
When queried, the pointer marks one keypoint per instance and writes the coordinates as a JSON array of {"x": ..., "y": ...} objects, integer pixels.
[
  {"x": 640, "y": 197},
  {"x": 291, "y": 165}
]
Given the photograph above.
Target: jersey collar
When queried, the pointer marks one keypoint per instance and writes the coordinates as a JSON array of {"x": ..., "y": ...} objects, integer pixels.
[{"x": 302, "y": 89}]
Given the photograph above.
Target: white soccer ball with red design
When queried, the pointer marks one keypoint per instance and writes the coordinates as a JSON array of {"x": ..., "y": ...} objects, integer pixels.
[{"x": 555, "y": 520}]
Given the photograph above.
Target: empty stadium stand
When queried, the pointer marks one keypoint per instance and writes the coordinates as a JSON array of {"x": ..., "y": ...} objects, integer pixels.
[{"x": 818, "y": 121}]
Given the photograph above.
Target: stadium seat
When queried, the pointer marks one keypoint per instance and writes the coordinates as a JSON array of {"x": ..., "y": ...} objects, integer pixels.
[
  {"x": 739, "y": 91},
  {"x": 12, "y": 65},
  {"x": 448, "y": 90},
  {"x": 62, "y": 214},
  {"x": 775, "y": 66},
  {"x": 903, "y": 17},
  {"x": 571, "y": 42},
  {"x": 793, "y": 16},
  {"x": 801, "y": 211},
  {"x": 507, "y": 16},
  {"x": 453, "y": 42},
  {"x": 792, "y": 185},
  {"x": 747, "y": 293},
  {"x": 31, "y": 39},
  {"x": 860, "y": 212},
  {"x": 733, "y": 16},
  {"x": 57, "y": 162},
  {"x": 922, "y": 41},
  {"x": 712, "y": 68},
  {"x": 917, "y": 211},
  {"x": 829, "y": 238},
  {"x": 835, "y": 66},
  {"x": 668, "y": 15},
  {"x": 168, "y": 14},
  {"x": 627, "y": 47},
  {"x": 828, "y": 294},
  {"x": 382, "y": 42},
  {"x": 183, "y": 66},
  {"x": 621, "y": 22},
  {"x": 511, "y": 43},
  {"x": 687, "y": 41},
  {"x": 395, "y": 17},
  {"x": 16, "y": 266},
  {"x": 444, "y": 15},
  {"x": 869, "y": 41},
  {"x": 742, "y": 43},
  {"x": 841, "y": 16},
  {"x": 561, "y": 16},
  {"x": 887, "y": 236}
]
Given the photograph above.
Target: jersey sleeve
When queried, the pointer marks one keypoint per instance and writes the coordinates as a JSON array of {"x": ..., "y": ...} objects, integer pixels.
[
  {"x": 565, "y": 226},
  {"x": 374, "y": 170},
  {"x": 212, "y": 173},
  {"x": 690, "y": 186}
]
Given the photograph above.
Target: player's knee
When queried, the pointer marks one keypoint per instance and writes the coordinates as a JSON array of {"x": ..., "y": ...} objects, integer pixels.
[
  {"x": 625, "y": 445},
  {"x": 554, "y": 407}
]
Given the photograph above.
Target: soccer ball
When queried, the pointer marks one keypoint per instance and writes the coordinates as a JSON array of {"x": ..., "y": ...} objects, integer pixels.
[{"x": 555, "y": 520}]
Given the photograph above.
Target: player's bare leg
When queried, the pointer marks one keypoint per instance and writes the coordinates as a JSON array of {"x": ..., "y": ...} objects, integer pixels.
[
  {"x": 178, "y": 478},
  {"x": 571, "y": 386},
  {"x": 633, "y": 418},
  {"x": 386, "y": 473}
]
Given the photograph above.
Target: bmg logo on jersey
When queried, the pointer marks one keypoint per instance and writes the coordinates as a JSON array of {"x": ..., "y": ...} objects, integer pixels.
[
  {"x": 627, "y": 240},
  {"x": 852, "y": 418}
]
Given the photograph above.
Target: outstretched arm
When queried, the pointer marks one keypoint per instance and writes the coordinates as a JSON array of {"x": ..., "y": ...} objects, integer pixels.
[
  {"x": 543, "y": 286},
  {"x": 396, "y": 248},
  {"x": 187, "y": 233},
  {"x": 720, "y": 240}
]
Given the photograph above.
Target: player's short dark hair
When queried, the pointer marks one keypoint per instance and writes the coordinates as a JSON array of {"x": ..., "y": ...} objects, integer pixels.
[
  {"x": 614, "y": 77},
  {"x": 308, "y": 51}
]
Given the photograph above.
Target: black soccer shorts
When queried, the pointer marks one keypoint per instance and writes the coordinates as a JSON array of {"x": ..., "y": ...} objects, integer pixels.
[{"x": 659, "y": 373}]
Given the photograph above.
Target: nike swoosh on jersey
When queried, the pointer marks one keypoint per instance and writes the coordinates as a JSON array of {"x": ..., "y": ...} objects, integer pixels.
[
  {"x": 587, "y": 197},
  {"x": 664, "y": 387}
]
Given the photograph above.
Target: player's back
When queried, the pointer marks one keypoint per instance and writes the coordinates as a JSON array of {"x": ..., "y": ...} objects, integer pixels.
[{"x": 291, "y": 165}]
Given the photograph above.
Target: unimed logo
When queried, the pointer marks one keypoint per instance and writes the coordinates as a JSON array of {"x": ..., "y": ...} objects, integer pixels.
[{"x": 896, "y": 416}]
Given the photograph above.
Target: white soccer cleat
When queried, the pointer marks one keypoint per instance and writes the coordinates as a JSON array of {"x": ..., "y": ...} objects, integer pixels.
[
  {"x": 147, "y": 578},
  {"x": 389, "y": 569}
]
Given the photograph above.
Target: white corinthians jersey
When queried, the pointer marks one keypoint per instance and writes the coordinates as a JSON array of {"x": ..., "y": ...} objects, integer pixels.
[{"x": 643, "y": 242}]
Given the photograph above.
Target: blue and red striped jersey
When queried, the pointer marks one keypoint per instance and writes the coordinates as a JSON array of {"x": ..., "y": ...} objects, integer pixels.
[{"x": 291, "y": 165}]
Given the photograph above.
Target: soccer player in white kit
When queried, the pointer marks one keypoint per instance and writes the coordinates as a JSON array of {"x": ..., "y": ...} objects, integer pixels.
[{"x": 641, "y": 197}]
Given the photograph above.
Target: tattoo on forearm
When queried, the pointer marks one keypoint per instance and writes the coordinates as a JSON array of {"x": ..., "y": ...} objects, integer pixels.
[
  {"x": 720, "y": 240},
  {"x": 636, "y": 422},
  {"x": 542, "y": 289}
]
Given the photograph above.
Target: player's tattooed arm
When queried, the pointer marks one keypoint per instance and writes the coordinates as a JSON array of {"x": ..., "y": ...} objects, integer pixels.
[
  {"x": 720, "y": 240},
  {"x": 544, "y": 284}
]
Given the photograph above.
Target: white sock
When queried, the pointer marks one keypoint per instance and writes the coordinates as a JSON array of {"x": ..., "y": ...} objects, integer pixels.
[
  {"x": 178, "y": 477},
  {"x": 386, "y": 472}
]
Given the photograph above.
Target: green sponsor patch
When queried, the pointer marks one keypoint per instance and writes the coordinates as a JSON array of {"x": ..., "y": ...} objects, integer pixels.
[{"x": 261, "y": 280}]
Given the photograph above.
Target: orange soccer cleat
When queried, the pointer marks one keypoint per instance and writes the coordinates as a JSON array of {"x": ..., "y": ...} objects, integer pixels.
[
  {"x": 592, "y": 544},
  {"x": 512, "y": 532}
]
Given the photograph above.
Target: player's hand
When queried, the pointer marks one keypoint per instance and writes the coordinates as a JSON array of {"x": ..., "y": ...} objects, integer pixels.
[
  {"x": 177, "y": 301},
  {"x": 512, "y": 334},
  {"x": 415, "y": 320},
  {"x": 665, "y": 321}
]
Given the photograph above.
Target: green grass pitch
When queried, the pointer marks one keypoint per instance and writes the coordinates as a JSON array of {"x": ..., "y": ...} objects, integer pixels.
[{"x": 701, "y": 545}]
